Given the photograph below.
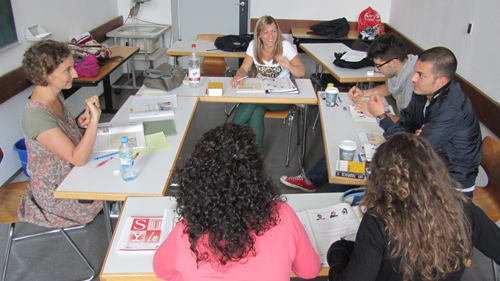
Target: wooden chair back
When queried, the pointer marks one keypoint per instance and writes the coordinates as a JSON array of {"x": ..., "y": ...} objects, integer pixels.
[
  {"x": 212, "y": 66},
  {"x": 488, "y": 197},
  {"x": 10, "y": 195}
]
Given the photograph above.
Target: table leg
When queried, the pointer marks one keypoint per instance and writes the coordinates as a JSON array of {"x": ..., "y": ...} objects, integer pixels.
[
  {"x": 304, "y": 137},
  {"x": 132, "y": 67},
  {"x": 108, "y": 99},
  {"x": 107, "y": 220}
]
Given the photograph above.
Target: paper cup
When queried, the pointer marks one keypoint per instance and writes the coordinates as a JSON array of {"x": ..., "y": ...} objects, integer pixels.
[{"x": 347, "y": 150}]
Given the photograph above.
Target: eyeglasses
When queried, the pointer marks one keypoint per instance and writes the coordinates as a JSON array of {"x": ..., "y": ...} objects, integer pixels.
[{"x": 380, "y": 65}]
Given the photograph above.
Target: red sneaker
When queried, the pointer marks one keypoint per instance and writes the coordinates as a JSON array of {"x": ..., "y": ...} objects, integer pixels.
[{"x": 298, "y": 182}]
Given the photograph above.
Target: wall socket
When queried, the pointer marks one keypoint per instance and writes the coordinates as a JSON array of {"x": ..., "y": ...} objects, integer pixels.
[{"x": 469, "y": 28}]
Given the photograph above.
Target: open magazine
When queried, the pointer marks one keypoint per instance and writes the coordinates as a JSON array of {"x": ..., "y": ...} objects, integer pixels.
[
  {"x": 147, "y": 233},
  {"x": 268, "y": 86},
  {"x": 327, "y": 225},
  {"x": 109, "y": 135},
  {"x": 150, "y": 110},
  {"x": 359, "y": 116}
]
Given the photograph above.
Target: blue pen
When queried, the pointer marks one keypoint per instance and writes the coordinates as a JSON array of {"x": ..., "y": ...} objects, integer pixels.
[{"x": 107, "y": 155}]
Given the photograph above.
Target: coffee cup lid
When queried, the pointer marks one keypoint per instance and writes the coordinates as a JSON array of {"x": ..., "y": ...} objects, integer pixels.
[{"x": 348, "y": 145}]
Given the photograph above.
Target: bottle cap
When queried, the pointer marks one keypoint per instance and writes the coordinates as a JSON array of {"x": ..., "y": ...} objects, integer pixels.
[
  {"x": 330, "y": 85},
  {"x": 193, "y": 46},
  {"x": 124, "y": 139}
]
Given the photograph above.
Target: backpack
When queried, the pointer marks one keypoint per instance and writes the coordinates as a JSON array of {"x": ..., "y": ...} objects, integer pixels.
[
  {"x": 331, "y": 29},
  {"x": 233, "y": 43}
]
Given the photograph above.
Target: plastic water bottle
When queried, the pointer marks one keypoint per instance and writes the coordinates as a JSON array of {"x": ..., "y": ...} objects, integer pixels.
[
  {"x": 194, "y": 67},
  {"x": 127, "y": 160}
]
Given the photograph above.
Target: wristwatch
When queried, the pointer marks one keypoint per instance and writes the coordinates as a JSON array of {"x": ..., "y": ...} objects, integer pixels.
[{"x": 380, "y": 117}]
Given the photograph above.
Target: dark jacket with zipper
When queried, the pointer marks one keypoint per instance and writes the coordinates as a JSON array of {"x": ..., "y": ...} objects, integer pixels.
[{"x": 451, "y": 127}]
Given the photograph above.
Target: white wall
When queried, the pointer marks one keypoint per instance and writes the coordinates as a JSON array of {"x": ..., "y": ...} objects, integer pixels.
[
  {"x": 318, "y": 9},
  {"x": 431, "y": 23},
  {"x": 65, "y": 19}
]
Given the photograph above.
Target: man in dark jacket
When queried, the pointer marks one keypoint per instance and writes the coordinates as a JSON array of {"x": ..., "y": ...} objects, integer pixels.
[{"x": 441, "y": 113}]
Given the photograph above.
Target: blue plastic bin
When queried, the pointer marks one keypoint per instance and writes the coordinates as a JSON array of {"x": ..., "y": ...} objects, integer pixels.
[{"x": 20, "y": 147}]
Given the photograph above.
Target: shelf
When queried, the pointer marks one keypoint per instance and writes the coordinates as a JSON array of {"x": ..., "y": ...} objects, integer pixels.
[{"x": 153, "y": 56}]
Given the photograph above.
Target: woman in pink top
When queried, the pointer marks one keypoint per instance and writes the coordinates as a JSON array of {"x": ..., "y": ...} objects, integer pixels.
[{"x": 235, "y": 224}]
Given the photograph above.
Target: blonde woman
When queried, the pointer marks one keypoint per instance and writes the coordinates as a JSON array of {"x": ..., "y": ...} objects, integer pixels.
[{"x": 273, "y": 57}]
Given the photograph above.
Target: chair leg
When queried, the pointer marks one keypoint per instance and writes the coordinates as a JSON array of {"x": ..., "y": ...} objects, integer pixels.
[
  {"x": 49, "y": 232},
  {"x": 10, "y": 233},
  {"x": 495, "y": 275},
  {"x": 231, "y": 110},
  {"x": 290, "y": 123},
  {"x": 315, "y": 121},
  {"x": 79, "y": 253}
]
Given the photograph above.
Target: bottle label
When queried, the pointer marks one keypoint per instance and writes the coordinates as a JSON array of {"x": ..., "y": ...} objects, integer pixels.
[
  {"x": 127, "y": 161},
  {"x": 194, "y": 75}
]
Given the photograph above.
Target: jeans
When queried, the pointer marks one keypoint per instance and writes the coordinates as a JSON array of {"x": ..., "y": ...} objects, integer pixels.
[
  {"x": 253, "y": 113},
  {"x": 319, "y": 174}
]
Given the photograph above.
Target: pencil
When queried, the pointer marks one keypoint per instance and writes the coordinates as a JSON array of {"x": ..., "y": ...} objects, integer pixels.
[
  {"x": 137, "y": 154},
  {"x": 107, "y": 155},
  {"x": 242, "y": 78}
]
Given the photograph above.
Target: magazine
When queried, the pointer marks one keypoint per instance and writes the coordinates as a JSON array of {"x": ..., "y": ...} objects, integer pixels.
[
  {"x": 327, "y": 225},
  {"x": 359, "y": 116},
  {"x": 147, "y": 233},
  {"x": 109, "y": 135},
  {"x": 268, "y": 86},
  {"x": 150, "y": 109}
]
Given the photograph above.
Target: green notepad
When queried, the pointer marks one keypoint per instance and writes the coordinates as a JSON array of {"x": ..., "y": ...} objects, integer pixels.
[{"x": 165, "y": 126}]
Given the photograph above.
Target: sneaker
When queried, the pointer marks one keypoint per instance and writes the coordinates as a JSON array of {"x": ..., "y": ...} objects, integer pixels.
[{"x": 298, "y": 182}]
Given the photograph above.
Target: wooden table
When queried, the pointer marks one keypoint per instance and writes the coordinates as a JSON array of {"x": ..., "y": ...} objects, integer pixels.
[
  {"x": 323, "y": 54},
  {"x": 105, "y": 71},
  {"x": 306, "y": 97},
  {"x": 153, "y": 169},
  {"x": 338, "y": 125},
  {"x": 182, "y": 48},
  {"x": 121, "y": 266}
]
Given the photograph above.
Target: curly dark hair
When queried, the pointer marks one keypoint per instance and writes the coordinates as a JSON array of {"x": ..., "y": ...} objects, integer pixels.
[
  {"x": 225, "y": 194},
  {"x": 422, "y": 209},
  {"x": 386, "y": 47},
  {"x": 42, "y": 58}
]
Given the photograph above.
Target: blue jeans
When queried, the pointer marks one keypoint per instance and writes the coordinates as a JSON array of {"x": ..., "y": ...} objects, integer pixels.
[{"x": 319, "y": 174}]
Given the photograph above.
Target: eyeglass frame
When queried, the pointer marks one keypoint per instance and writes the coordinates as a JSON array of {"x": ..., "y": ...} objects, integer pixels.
[{"x": 380, "y": 65}]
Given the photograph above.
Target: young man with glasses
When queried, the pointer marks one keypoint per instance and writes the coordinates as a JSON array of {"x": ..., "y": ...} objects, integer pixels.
[
  {"x": 391, "y": 59},
  {"x": 440, "y": 112}
]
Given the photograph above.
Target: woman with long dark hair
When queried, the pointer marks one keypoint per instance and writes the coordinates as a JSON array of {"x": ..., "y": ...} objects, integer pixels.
[
  {"x": 417, "y": 225},
  {"x": 234, "y": 226}
]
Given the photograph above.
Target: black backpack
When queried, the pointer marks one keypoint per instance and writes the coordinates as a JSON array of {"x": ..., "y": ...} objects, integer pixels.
[
  {"x": 233, "y": 43},
  {"x": 331, "y": 29}
]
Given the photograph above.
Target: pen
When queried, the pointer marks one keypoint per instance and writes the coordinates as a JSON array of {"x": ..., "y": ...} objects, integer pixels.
[
  {"x": 242, "y": 78},
  {"x": 137, "y": 154},
  {"x": 102, "y": 163},
  {"x": 212, "y": 50},
  {"x": 107, "y": 155}
]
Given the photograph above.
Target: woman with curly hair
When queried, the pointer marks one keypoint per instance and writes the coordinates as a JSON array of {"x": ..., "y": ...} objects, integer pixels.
[
  {"x": 54, "y": 139},
  {"x": 418, "y": 225},
  {"x": 234, "y": 226}
]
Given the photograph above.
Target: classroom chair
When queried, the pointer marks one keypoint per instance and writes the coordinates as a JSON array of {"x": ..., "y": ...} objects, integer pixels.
[
  {"x": 488, "y": 197},
  {"x": 10, "y": 196},
  {"x": 212, "y": 66},
  {"x": 284, "y": 114}
]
